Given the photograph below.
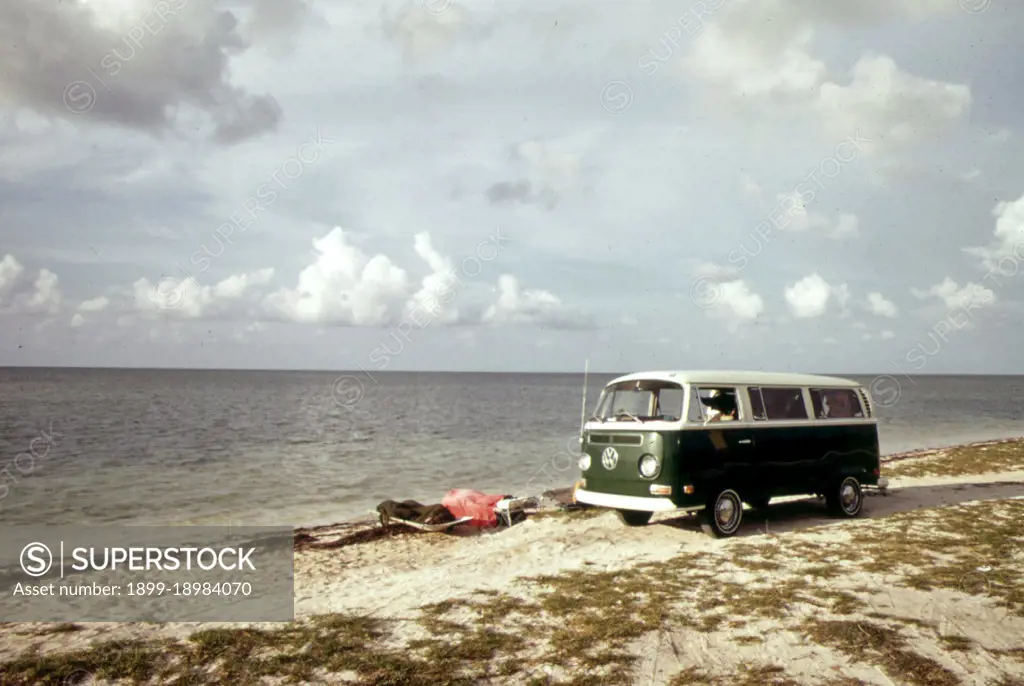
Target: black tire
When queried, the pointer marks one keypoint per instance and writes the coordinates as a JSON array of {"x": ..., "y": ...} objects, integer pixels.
[
  {"x": 759, "y": 503},
  {"x": 634, "y": 517},
  {"x": 846, "y": 499},
  {"x": 724, "y": 513}
]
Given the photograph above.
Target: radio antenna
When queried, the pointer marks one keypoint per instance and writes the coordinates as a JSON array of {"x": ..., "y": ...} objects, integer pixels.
[{"x": 583, "y": 408}]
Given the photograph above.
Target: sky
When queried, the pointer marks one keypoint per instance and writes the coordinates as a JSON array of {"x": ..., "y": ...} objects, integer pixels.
[{"x": 784, "y": 185}]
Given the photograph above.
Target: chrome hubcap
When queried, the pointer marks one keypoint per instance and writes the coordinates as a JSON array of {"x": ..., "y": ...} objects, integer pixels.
[
  {"x": 848, "y": 496},
  {"x": 725, "y": 511}
]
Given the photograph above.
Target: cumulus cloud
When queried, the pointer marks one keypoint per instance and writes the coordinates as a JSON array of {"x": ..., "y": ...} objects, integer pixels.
[
  {"x": 735, "y": 302},
  {"x": 878, "y": 305},
  {"x": 517, "y": 306},
  {"x": 762, "y": 50},
  {"x": 343, "y": 287},
  {"x": 810, "y": 296},
  {"x": 741, "y": 301},
  {"x": 134, "y": 63},
  {"x": 20, "y": 294},
  {"x": 188, "y": 299},
  {"x": 1008, "y": 243},
  {"x": 971, "y": 296},
  {"x": 891, "y": 105},
  {"x": 439, "y": 286}
]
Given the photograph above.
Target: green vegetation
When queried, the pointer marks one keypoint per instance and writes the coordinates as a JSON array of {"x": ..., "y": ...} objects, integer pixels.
[{"x": 585, "y": 627}]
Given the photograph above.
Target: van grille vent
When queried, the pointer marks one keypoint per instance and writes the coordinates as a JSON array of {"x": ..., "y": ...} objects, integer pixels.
[
  {"x": 621, "y": 439},
  {"x": 867, "y": 402}
]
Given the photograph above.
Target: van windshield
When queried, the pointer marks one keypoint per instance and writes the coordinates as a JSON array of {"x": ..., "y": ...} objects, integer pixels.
[{"x": 641, "y": 401}]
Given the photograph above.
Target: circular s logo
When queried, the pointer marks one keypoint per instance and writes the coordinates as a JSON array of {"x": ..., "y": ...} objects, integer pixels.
[{"x": 36, "y": 559}]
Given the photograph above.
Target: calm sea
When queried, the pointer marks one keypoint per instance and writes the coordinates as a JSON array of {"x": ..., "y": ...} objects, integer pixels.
[{"x": 233, "y": 448}]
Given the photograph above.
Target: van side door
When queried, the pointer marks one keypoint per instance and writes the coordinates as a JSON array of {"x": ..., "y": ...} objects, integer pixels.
[
  {"x": 781, "y": 435},
  {"x": 730, "y": 457}
]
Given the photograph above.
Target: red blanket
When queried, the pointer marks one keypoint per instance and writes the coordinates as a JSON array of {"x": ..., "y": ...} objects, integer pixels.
[{"x": 464, "y": 502}]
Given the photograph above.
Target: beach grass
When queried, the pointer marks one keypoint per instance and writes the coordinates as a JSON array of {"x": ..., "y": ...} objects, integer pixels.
[
  {"x": 967, "y": 460},
  {"x": 821, "y": 588}
]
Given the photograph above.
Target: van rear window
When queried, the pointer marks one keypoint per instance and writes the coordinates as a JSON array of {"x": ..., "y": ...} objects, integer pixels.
[
  {"x": 778, "y": 403},
  {"x": 836, "y": 403}
]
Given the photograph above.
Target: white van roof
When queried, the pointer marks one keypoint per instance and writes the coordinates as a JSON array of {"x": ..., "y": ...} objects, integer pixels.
[{"x": 740, "y": 378}]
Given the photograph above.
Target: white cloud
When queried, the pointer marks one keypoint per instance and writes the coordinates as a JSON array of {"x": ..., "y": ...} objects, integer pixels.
[
  {"x": 762, "y": 49},
  {"x": 188, "y": 299},
  {"x": 890, "y": 105},
  {"x": 10, "y": 273},
  {"x": 344, "y": 286},
  {"x": 736, "y": 302},
  {"x": 439, "y": 287},
  {"x": 886, "y": 335},
  {"x": 516, "y": 306},
  {"x": 1008, "y": 240},
  {"x": 971, "y": 297},
  {"x": 95, "y": 305},
  {"x": 810, "y": 296},
  {"x": 751, "y": 60},
  {"x": 77, "y": 321},
  {"x": 880, "y": 306},
  {"x": 21, "y": 295}
]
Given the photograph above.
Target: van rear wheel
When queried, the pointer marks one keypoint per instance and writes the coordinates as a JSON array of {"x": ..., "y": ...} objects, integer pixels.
[
  {"x": 634, "y": 517},
  {"x": 846, "y": 499},
  {"x": 724, "y": 514}
]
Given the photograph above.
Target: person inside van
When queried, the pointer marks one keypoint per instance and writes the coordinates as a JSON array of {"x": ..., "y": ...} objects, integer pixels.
[{"x": 721, "y": 407}]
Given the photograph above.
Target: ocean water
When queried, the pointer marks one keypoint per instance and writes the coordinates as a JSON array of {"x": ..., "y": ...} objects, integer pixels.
[{"x": 84, "y": 446}]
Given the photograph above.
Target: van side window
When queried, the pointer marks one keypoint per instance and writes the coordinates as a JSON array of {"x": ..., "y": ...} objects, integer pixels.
[
  {"x": 669, "y": 404},
  {"x": 778, "y": 403},
  {"x": 710, "y": 404},
  {"x": 836, "y": 403},
  {"x": 757, "y": 403}
]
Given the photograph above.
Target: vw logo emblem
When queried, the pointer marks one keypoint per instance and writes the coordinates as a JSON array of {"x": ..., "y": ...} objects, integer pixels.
[{"x": 609, "y": 458}]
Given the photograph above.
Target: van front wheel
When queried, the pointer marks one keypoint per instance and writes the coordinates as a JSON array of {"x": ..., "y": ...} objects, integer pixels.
[
  {"x": 846, "y": 499},
  {"x": 634, "y": 517},
  {"x": 724, "y": 513}
]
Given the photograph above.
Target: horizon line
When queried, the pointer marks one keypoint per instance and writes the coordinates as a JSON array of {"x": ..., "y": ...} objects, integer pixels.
[{"x": 450, "y": 371}]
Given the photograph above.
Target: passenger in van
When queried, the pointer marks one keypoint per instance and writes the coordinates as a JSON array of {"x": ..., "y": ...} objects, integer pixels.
[{"x": 721, "y": 408}]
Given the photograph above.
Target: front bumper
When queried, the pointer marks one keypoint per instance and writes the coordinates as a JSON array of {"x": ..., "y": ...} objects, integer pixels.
[{"x": 626, "y": 502}]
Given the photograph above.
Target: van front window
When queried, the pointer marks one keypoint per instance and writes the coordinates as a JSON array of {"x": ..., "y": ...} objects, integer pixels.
[{"x": 641, "y": 401}]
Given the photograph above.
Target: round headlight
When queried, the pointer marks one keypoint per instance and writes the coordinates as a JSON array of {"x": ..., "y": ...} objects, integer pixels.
[
  {"x": 649, "y": 466},
  {"x": 584, "y": 463}
]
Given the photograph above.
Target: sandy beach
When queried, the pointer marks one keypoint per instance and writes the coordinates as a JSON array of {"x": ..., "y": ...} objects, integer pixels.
[{"x": 927, "y": 587}]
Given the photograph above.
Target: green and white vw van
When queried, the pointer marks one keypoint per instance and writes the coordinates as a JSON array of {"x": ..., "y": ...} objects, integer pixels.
[{"x": 712, "y": 441}]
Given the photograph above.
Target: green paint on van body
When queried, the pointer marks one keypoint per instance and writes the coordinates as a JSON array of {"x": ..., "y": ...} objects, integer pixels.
[{"x": 755, "y": 461}]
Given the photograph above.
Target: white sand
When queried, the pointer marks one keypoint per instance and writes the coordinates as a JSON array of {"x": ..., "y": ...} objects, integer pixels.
[{"x": 392, "y": 578}]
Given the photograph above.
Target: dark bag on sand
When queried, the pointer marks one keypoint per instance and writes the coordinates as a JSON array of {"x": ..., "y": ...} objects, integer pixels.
[{"x": 412, "y": 511}]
